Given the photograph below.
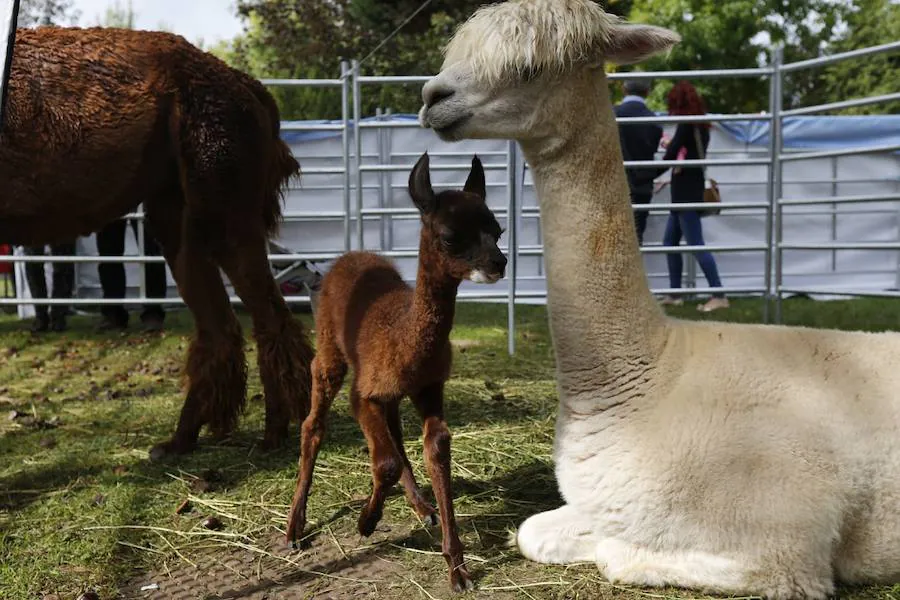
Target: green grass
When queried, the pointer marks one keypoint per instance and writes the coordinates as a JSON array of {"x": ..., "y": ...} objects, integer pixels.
[{"x": 82, "y": 507}]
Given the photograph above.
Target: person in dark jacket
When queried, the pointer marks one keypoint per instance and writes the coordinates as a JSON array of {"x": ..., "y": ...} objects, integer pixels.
[
  {"x": 688, "y": 184},
  {"x": 54, "y": 316},
  {"x": 639, "y": 141},
  {"x": 111, "y": 242}
]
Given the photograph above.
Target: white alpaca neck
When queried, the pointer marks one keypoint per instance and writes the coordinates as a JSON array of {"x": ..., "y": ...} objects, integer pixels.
[{"x": 607, "y": 328}]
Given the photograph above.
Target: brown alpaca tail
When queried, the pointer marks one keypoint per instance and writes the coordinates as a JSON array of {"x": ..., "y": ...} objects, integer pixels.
[{"x": 283, "y": 165}]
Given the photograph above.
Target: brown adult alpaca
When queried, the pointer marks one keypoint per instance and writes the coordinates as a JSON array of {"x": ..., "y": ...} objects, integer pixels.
[
  {"x": 397, "y": 341},
  {"x": 101, "y": 120}
]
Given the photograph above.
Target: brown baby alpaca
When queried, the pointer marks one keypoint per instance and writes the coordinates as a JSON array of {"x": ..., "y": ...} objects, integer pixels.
[
  {"x": 99, "y": 121},
  {"x": 396, "y": 339}
]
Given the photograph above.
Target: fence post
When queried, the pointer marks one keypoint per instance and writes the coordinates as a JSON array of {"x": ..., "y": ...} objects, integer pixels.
[
  {"x": 512, "y": 243},
  {"x": 357, "y": 138},
  {"x": 379, "y": 138},
  {"x": 770, "y": 199},
  {"x": 388, "y": 191},
  {"x": 345, "y": 147},
  {"x": 775, "y": 175},
  {"x": 834, "y": 210}
]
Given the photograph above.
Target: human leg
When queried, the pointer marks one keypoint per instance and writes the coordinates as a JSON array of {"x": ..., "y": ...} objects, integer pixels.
[
  {"x": 111, "y": 242},
  {"x": 693, "y": 233},
  {"x": 674, "y": 262},
  {"x": 37, "y": 284},
  {"x": 63, "y": 284}
]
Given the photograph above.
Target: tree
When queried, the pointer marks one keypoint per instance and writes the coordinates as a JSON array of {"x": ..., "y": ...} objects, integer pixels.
[
  {"x": 308, "y": 39},
  {"x": 33, "y": 13},
  {"x": 740, "y": 34},
  {"x": 118, "y": 15},
  {"x": 872, "y": 22}
]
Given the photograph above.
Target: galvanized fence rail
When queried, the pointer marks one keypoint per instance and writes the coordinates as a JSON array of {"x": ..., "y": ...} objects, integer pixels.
[{"x": 355, "y": 164}]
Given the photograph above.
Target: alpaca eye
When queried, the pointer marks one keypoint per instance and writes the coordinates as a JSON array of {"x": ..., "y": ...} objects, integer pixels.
[
  {"x": 454, "y": 243},
  {"x": 449, "y": 240}
]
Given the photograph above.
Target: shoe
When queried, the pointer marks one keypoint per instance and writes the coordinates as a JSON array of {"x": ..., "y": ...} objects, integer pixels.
[
  {"x": 671, "y": 301},
  {"x": 58, "y": 323},
  {"x": 109, "y": 324},
  {"x": 153, "y": 323},
  {"x": 40, "y": 324},
  {"x": 713, "y": 304}
]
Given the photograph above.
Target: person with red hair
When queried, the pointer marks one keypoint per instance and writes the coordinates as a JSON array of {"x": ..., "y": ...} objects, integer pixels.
[{"x": 690, "y": 142}]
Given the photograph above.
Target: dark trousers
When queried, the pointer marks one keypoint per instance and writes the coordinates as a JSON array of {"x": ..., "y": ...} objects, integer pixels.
[
  {"x": 687, "y": 223},
  {"x": 63, "y": 278},
  {"x": 111, "y": 242},
  {"x": 640, "y": 216}
]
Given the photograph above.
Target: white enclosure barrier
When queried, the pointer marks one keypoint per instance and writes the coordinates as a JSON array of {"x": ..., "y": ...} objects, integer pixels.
[{"x": 353, "y": 195}]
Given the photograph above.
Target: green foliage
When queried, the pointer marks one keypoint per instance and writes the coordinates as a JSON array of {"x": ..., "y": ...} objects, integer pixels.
[
  {"x": 118, "y": 15},
  {"x": 47, "y": 12},
  {"x": 308, "y": 38},
  {"x": 873, "y": 22},
  {"x": 740, "y": 34}
]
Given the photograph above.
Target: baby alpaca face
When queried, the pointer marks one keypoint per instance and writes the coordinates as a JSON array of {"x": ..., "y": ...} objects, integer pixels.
[
  {"x": 468, "y": 234},
  {"x": 464, "y": 228}
]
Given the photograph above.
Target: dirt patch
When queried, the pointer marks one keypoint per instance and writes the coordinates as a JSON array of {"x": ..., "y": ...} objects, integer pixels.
[{"x": 325, "y": 570}]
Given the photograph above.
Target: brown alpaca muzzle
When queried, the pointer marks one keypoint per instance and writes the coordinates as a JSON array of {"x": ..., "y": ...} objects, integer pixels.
[{"x": 492, "y": 271}]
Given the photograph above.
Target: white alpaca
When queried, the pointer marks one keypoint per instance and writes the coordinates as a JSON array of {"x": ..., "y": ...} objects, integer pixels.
[{"x": 735, "y": 458}]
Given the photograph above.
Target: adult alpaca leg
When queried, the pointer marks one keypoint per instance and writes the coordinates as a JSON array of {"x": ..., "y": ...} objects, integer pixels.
[
  {"x": 622, "y": 562},
  {"x": 216, "y": 371},
  {"x": 285, "y": 354},
  {"x": 561, "y": 536},
  {"x": 564, "y": 536}
]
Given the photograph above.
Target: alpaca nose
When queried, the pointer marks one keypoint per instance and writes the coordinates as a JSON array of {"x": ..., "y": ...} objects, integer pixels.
[
  {"x": 432, "y": 94},
  {"x": 500, "y": 263}
]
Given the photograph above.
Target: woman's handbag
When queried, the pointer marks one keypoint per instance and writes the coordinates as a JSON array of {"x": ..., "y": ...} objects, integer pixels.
[{"x": 711, "y": 193}]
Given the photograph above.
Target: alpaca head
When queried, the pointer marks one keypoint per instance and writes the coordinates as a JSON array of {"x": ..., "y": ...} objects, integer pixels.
[
  {"x": 461, "y": 227},
  {"x": 527, "y": 69}
]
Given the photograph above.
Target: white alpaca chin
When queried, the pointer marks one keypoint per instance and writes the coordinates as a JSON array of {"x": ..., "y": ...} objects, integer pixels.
[
  {"x": 742, "y": 459},
  {"x": 479, "y": 276}
]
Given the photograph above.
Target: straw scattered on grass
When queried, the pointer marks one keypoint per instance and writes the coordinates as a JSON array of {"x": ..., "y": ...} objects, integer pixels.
[{"x": 89, "y": 511}]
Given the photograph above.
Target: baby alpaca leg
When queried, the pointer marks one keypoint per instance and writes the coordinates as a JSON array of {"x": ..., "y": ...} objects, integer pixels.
[
  {"x": 328, "y": 371},
  {"x": 414, "y": 495},
  {"x": 560, "y": 536},
  {"x": 387, "y": 465},
  {"x": 430, "y": 404}
]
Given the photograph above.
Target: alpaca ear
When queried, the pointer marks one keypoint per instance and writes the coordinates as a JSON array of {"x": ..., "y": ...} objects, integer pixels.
[
  {"x": 629, "y": 43},
  {"x": 420, "y": 186},
  {"x": 475, "y": 183}
]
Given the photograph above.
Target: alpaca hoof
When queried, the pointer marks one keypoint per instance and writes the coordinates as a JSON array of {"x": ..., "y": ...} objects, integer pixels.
[
  {"x": 367, "y": 522},
  {"x": 294, "y": 532},
  {"x": 271, "y": 443},
  {"x": 460, "y": 580},
  {"x": 165, "y": 449}
]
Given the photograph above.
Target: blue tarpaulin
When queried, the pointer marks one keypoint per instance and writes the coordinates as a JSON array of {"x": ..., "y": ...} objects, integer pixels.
[
  {"x": 822, "y": 132},
  {"x": 819, "y": 132}
]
